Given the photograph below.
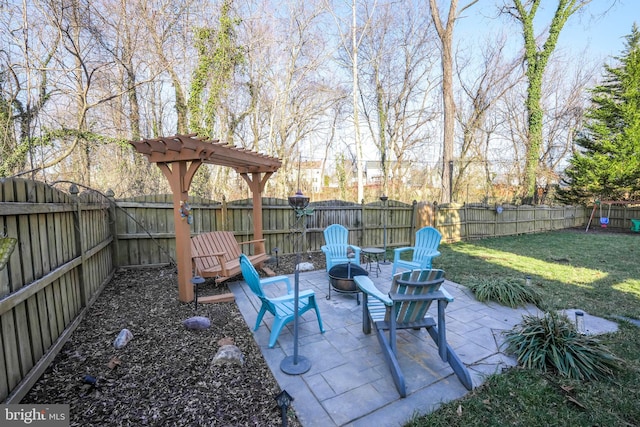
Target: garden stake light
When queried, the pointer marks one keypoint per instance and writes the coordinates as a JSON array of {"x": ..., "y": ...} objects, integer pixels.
[
  {"x": 284, "y": 399},
  {"x": 580, "y": 322},
  {"x": 196, "y": 280}
]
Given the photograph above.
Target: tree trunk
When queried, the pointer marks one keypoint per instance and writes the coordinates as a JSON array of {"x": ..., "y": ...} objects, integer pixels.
[{"x": 356, "y": 118}]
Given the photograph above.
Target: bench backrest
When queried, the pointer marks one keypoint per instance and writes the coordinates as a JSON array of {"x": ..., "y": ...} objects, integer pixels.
[{"x": 216, "y": 242}]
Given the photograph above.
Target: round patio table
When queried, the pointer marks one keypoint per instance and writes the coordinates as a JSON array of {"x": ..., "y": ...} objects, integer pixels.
[{"x": 370, "y": 255}]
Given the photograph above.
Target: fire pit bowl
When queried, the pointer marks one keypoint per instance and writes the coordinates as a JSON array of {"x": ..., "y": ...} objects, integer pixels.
[{"x": 341, "y": 278}]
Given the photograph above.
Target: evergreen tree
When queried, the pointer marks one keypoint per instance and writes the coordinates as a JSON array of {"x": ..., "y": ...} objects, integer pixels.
[{"x": 607, "y": 162}]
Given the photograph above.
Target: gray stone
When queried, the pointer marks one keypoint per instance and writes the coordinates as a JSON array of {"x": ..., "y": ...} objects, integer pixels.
[
  {"x": 197, "y": 323},
  {"x": 305, "y": 266},
  {"x": 228, "y": 354}
]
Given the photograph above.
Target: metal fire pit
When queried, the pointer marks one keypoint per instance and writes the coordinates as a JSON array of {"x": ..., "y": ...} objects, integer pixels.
[{"x": 341, "y": 279}]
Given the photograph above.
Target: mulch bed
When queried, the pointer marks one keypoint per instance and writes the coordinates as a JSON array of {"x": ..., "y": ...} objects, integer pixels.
[{"x": 164, "y": 375}]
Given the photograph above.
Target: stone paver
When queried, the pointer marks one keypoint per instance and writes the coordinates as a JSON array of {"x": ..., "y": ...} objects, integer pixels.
[{"x": 349, "y": 383}]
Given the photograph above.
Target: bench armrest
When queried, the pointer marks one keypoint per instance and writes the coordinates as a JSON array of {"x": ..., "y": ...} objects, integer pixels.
[{"x": 217, "y": 254}]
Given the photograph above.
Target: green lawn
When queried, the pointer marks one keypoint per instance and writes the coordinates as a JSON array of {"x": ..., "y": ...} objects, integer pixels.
[{"x": 596, "y": 272}]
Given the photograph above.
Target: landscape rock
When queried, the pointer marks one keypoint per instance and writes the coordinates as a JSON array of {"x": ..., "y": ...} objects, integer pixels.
[
  {"x": 228, "y": 353},
  {"x": 306, "y": 266},
  {"x": 197, "y": 323}
]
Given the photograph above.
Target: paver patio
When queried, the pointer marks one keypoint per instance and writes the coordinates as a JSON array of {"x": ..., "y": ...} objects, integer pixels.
[{"x": 349, "y": 383}]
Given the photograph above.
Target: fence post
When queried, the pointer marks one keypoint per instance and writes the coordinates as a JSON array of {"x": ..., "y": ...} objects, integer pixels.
[
  {"x": 224, "y": 214},
  {"x": 115, "y": 250},
  {"x": 363, "y": 215},
  {"x": 466, "y": 223},
  {"x": 435, "y": 214},
  {"x": 412, "y": 229},
  {"x": 77, "y": 224}
]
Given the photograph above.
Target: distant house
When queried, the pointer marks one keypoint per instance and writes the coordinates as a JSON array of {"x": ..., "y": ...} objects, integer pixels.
[
  {"x": 311, "y": 173},
  {"x": 373, "y": 172}
]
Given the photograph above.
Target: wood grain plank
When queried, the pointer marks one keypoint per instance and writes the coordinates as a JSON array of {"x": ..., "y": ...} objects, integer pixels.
[
  {"x": 228, "y": 297},
  {"x": 64, "y": 300},
  {"x": 23, "y": 339},
  {"x": 57, "y": 304},
  {"x": 4, "y": 272},
  {"x": 51, "y": 313},
  {"x": 43, "y": 316},
  {"x": 57, "y": 230},
  {"x": 25, "y": 242},
  {"x": 14, "y": 266},
  {"x": 4, "y": 384},
  {"x": 35, "y": 335},
  {"x": 74, "y": 292},
  {"x": 11, "y": 359}
]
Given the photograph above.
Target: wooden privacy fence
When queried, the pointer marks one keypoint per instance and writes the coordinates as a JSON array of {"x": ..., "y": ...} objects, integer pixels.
[
  {"x": 477, "y": 221},
  {"x": 68, "y": 246},
  {"x": 60, "y": 263},
  {"x": 145, "y": 224}
]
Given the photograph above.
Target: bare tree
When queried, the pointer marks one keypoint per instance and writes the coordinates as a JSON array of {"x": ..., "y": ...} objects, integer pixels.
[
  {"x": 445, "y": 32},
  {"x": 164, "y": 22},
  {"x": 480, "y": 92},
  {"x": 351, "y": 36},
  {"x": 537, "y": 50},
  {"x": 286, "y": 87},
  {"x": 564, "y": 102},
  {"x": 396, "y": 87},
  {"x": 25, "y": 59}
]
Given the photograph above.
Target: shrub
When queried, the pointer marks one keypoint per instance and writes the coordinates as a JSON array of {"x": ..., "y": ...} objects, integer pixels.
[
  {"x": 506, "y": 291},
  {"x": 552, "y": 343}
]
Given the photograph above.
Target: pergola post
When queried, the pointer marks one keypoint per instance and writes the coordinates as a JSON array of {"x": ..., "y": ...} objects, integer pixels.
[
  {"x": 179, "y": 176},
  {"x": 256, "y": 185}
]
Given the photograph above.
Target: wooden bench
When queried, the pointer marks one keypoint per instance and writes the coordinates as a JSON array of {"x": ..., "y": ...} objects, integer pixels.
[{"x": 217, "y": 254}]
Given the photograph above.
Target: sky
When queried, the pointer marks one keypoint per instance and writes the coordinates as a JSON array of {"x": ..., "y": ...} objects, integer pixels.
[
  {"x": 604, "y": 35},
  {"x": 600, "y": 27}
]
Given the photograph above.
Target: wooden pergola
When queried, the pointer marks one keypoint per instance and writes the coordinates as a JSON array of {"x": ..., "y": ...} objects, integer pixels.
[{"x": 179, "y": 157}]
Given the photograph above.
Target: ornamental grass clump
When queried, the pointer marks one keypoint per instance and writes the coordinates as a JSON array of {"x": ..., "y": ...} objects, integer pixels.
[
  {"x": 551, "y": 343},
  {"x": 507, "y": 291}
]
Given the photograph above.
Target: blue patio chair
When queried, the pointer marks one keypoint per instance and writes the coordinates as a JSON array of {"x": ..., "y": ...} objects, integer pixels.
[
  {"x": 336, "y": 247},
  {"x": 281, "y": 307},
  {"x": 425, "y": 249},
  {"x": 405, "y": 307}
]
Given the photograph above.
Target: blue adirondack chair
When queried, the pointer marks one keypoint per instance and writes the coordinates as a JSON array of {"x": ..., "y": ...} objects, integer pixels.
[
  {"x": 405, "y": 307},
  {"x": 425, "y": 249},
  {"x": 281, "y": 307},
  {"x": 336, "y": 247}
]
